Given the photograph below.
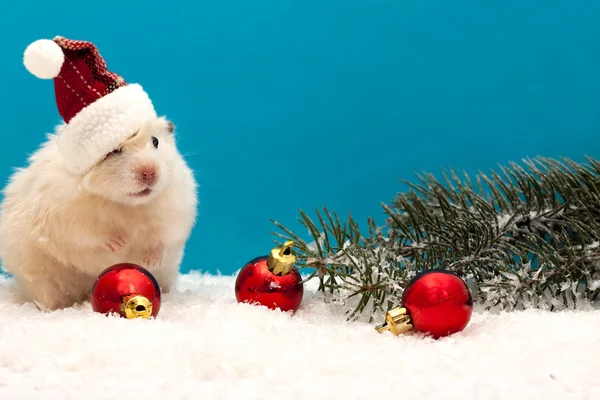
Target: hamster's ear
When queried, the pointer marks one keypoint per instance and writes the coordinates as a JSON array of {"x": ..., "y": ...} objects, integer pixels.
[{"x": 170, "y": 127}]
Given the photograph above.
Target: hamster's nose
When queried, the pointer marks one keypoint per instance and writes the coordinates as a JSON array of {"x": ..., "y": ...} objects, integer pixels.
[{"x": 147, "y": 174}]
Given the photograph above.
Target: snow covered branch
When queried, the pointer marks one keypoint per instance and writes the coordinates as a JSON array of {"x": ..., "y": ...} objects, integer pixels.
[{"x": 521, "y": 237}]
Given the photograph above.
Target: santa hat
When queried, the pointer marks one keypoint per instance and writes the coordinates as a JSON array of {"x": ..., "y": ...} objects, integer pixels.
[{"x": 99, "y": 109}]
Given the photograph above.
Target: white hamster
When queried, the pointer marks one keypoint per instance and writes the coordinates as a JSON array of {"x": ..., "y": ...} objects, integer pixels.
[{"x": 59, "y": 230}]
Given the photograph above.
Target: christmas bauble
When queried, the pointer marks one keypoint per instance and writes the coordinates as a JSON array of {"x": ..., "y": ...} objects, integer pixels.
[
  {"x": 271, "y": 281},
  {"x": 435, "y": 302},
  {"x": 128, "y": 290}
]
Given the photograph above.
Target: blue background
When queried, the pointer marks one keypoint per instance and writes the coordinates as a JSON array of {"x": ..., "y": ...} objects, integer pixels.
[{"x": 286, "y": 104}]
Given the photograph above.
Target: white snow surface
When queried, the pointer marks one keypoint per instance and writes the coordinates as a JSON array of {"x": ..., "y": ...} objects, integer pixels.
[{"x": 204, "y": 345}]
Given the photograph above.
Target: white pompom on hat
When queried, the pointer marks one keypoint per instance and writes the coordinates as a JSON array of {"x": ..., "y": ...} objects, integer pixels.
[{"x": 44, "y": 58}]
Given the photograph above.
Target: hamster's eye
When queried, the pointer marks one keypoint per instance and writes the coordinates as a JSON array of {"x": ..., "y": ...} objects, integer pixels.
[
  {"x": 155, "y": 142},
  {"x": 115, "y": 151}
]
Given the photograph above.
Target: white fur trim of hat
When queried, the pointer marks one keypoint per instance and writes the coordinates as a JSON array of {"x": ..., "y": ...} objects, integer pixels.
[{"x": 102, "y": 126}]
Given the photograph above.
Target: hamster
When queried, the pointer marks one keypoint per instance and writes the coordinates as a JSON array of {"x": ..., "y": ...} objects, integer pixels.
[{"x": 59, "y": 231}]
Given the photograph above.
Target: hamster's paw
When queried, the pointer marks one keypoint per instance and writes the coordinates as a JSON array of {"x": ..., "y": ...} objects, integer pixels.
[
  {"x": 153, "y": 255},
  {"x": 116, "y": 242},
  {"x": 47, "y": 296},
  {"x": 54, "y": 304}
]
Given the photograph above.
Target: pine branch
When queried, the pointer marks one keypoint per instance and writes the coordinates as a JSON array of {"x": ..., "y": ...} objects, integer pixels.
[{"x": 524, "y": 236}]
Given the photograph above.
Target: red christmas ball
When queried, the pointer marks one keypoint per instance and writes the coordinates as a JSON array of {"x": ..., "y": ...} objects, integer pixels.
[
  {"x": 438, "y": 303},
  {"x": 128, "y": 290},
  {"x": 271, "y": 281}
]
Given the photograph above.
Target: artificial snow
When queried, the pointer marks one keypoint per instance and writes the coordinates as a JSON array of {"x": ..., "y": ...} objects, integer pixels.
[{"x": 204, "y": 345}]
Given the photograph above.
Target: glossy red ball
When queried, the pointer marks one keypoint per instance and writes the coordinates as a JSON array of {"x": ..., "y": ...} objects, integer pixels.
[
  {"x": 121, "y": 281},
  {"x": 256, "y": 284},
  {"x": 438, "y": 302}
]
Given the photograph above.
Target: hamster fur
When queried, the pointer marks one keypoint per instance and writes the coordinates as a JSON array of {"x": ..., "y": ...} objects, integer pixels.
[{"x": 58, "y": 230}]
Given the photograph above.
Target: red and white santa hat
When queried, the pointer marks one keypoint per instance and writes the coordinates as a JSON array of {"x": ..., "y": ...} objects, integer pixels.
[{"x": 99, "y": 109}]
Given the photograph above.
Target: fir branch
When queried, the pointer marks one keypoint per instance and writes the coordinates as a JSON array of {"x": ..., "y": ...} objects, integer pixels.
[{"x": 523, "y": 236}]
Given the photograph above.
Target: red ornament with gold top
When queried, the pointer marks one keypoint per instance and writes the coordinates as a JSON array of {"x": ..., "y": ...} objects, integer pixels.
[
  {"x": 128, "y": 290},
  {"x": 435, "y": 302},
  {"x": 271, "y": 281}
]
